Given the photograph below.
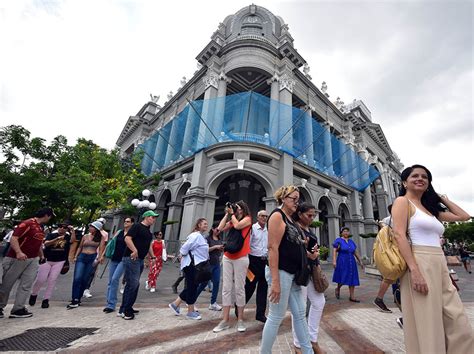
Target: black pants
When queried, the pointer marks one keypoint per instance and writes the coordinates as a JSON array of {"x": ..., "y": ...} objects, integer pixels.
[
  {"x": 257, "y": 267},
  {"x": 189, "y": 293}
]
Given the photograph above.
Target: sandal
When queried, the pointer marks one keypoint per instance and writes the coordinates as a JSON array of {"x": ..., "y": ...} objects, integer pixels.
[
  {"x": 337, "y": 293},
  {"x": 354, "y": 300}
]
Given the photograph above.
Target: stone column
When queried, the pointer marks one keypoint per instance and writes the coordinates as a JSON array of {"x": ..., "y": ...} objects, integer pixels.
[
  {"x": 194, "y": 199},
  {"x": 308, "y": 131},
  {"x": 171, "y": 152},
  {"x": 159, "y": 154},
  {"x": 273, "y": 119},
  {"x": 218, "y": 120},
  {"x": 327, "y": 162},
  {"x": 286, "y": 169},
  {"x": 208, "y": 109},
  {"x": 270, "y": 204},
  {"x": 286, "y": 113},
  {"x": 191, "y": 130}
]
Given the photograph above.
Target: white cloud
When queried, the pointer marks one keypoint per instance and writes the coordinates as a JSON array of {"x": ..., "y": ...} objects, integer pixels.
[{"x": 80, "y": 68}]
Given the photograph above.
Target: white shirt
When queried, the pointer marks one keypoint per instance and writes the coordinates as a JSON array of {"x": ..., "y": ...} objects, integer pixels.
[
  {"x": 259, "y": 240},
  {"x": 425, "y": 230},
  {"x": 198, "y": 246}
]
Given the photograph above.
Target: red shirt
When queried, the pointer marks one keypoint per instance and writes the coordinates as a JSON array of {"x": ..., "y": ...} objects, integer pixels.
[
  {"x": 245, "y": 248},
  {"x": 30, "y": 236}
]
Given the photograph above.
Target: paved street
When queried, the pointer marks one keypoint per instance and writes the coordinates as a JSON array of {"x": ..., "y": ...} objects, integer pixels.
[{"x": 346, "y": 327}]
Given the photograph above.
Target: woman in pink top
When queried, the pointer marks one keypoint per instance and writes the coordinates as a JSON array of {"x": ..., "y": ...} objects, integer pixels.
[
  {"x": 235, "y": 265},
  {"x": 434, "y": 319}
]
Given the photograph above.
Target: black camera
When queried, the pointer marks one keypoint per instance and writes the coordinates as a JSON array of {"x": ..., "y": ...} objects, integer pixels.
[{"x": 231, "y": 205}]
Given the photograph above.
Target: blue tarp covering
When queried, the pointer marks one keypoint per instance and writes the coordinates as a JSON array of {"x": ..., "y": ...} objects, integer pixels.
[{"x": 251, "y": 117}]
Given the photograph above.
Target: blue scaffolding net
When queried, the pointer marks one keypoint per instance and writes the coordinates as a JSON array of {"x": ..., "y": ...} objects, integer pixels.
[{"x": 251, "y": 117}]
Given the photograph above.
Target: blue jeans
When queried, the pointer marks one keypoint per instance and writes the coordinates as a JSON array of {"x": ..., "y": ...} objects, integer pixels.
[
  {"x": 132, "y": 271},
  {"x": 115, "y": 273},
  {"x": 290, "y": 296},
  {"x": 216, "y": 278},
  {"x": 82, "y": 271}
]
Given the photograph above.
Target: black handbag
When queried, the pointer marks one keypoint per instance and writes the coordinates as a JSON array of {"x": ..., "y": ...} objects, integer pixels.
[
  {"x": 203, "y": 272},
  {"x": 235, "y": 241},
  {"x": 303, "y": 274}
]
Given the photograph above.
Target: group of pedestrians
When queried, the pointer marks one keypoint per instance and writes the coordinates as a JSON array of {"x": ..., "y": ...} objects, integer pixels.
[{"x": 271, "y": 256}]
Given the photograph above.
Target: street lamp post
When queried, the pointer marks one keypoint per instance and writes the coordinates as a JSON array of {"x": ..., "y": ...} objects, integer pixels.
[{"x": 144, "y": 203}]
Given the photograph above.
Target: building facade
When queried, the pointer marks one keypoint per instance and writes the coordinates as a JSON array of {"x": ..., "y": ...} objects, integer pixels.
[{"x": 250, "y": 120}]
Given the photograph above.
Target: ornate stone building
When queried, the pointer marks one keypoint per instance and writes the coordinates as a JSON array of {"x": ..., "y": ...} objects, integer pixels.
[{"x": 251, "y": 120}]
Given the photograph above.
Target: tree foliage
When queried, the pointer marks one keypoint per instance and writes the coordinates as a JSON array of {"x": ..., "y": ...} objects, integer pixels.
[
  {"x": 78, "y": 181},
  {"x": 460, "y": 232}
]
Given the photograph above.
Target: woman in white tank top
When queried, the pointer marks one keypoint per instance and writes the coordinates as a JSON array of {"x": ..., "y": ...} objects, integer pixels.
[{"x": 434, "y": 317}]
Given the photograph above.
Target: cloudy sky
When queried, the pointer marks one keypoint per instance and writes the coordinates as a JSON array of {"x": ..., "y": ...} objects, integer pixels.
[{"x": 80, "y": 68}]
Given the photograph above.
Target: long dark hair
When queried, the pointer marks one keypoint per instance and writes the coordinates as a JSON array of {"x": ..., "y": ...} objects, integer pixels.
[
  {"x": 211, "y": 231},
  {"x": 302, "y": 208},
  {"x": 244, "y": 207},
  {"x": 430, "y": 199},
  {"x": 97, "y": 235}
]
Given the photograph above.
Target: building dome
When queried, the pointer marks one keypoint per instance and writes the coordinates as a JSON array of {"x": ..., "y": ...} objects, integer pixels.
[{"x": 254, "y": 21}]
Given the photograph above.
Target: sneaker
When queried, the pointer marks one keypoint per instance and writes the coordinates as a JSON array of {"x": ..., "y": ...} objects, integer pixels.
[
  {"x": 223, "y": 325},
  {"x": 135, "y": 311},
  {"x": 175, "y": 309},
  {"x": 120, "y": 314},
  {"x": 381, "y": 305},
  {"x": 1, "y": 313},
  {"x": 152, "y": 290},
  {"x": 122, "y": 289},
  {"x": 21, "y": 313},
  {"x": 108, "y": 310},
  {"x": 87, "y": 293},
  {"x": 32, "y": 300},
  {"x": 241, "y": 326},
  {"x": 146, "y": 285},
  {"x": 193, "y": 316},
  {"x": 128, "y": 316},
  {"x": 45, "y": 304},
  {"x": 73, "y": 304},
  {"x": 215, "y": 307},
  {"x": 400, "y": 322}
]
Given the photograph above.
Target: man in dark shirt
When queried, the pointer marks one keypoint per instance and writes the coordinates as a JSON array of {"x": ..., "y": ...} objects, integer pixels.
[
  {"x": 21, "y": 262},
  {"x": 138, "y": 240}
]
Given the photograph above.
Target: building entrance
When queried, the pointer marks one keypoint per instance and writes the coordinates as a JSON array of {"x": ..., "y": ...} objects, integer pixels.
[{"x": 240, "y": 186}]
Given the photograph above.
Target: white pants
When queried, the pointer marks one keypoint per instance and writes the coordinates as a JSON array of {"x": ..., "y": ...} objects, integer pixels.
[
  {"x": 317, "y": 301},
  {"x": 233, "y": 277}
]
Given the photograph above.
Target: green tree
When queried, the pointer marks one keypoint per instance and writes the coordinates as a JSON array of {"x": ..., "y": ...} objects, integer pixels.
[
  {"x": 460, "y": 232},
  {"x": 78, "y": 181}
]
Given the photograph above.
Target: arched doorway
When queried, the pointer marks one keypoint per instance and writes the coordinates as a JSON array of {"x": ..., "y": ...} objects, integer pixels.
[
  {"x": 324, "y": 208},
  {"x": 163, "y": 208},
  {"x": 239, "y": 186},
  {"x": 344, "y": 215}
]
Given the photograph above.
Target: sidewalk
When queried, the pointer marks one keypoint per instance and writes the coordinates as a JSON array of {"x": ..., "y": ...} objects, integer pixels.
[{"x": 345, "y": 327}]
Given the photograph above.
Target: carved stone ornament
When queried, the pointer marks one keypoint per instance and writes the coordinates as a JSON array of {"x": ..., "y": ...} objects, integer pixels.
[
  {"x": 286, "y": 82},
  {"x": 212, "y": 79},
  {"x": 324, "y": 87}
]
